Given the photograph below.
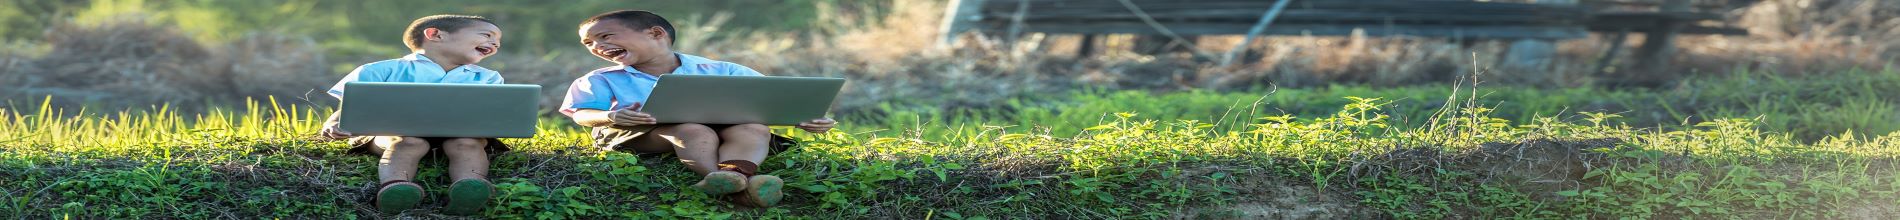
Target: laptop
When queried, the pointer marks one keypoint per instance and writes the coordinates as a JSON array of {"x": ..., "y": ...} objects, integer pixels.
[
  {"x": 719, "y": 99},
  {"x": 440, "y": 109}
]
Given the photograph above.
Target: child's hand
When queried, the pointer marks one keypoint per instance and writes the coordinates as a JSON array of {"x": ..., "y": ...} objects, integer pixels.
[
  {"x": 631, "y": 116},
  {"x": 332, "y": 131},
  {"x": 820, "y": 125}
]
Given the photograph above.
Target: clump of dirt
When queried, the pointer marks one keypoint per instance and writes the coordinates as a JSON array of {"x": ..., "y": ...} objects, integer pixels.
[
  {"x": 1019, "y": 164},
  {"x": 1268, "y": 197},
  {"x": 1872, "y": 210},
  {"x": 1538, "y": 166}
]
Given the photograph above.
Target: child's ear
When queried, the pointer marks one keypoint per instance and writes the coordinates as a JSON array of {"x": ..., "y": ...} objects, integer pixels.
[
  {"x": 432, "y": 34},
  {"x": 658, "y": 33}
]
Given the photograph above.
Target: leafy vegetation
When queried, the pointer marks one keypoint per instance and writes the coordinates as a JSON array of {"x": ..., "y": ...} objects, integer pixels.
[
  {"x": 1809, "y": 134},
  {"x": 1092, "y": 155}
]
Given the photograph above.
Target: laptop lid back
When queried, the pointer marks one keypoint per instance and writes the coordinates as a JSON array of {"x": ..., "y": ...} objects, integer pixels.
[
  {"x": 440, "y": 109},
  {"x": 717, "y": 99}
]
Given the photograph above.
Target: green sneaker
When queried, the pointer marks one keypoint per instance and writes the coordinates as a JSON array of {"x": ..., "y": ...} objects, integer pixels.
[
  {"x": 762, "y": 191},
  {"x": 721, "y": 183},
  {"x": 397, "y": 196},
  {"x": 468, "y": 196}
]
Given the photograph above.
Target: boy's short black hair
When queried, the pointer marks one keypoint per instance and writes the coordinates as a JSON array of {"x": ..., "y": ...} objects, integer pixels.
[
  {"x": 449, "y": 23},
  {"x": 638, "y": 20}
]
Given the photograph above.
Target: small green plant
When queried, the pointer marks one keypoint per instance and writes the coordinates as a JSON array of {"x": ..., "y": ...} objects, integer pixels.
[
  {"x": 520, "y": 199},
  {"x": 622, "y": 172},
  {"x": 1099, "y": 154}
]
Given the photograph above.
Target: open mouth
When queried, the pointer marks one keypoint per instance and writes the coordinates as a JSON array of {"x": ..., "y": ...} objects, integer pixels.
[
  {"x": 485, "y": 50},
  {"x": 614, "y": 53}
]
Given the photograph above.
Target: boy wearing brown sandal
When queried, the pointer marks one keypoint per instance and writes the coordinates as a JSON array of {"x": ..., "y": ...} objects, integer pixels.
[
  {"x": 609, "y": 99},
  {"x": 445, "y": 49}
]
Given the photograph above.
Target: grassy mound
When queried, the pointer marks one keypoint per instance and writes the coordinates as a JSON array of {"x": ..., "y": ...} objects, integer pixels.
[{"x": 1158, "y": 161}]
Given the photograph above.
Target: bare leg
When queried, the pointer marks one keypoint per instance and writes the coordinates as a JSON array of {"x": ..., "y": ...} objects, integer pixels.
[
  {"x": 468, "y": 158},
  {"x": 695, "y": 144},
  {"x": 747, "y": 142},
  {"x": 744, "y": 142},
  {"x": 400, "y": 155}
]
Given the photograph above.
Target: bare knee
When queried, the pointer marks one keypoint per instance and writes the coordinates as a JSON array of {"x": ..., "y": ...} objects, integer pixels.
[
  {"x": 464, "y": 145},
  {"x": 408, "y": 145},
  {"x": 690, "y": 136},
  {"x": 688, "y": 131}
]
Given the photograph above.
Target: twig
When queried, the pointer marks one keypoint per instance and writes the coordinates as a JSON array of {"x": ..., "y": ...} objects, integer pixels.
[
  {"x": 19, "y": 138},
  {"x": 1265, "y": 19},
  {"x": 1150, "y": 20},
  {"x": 1016, "y": 23}
]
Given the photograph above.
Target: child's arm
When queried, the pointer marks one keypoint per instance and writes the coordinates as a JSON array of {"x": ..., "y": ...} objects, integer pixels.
[
  {"x": 820, "y": 125},
  {"x": 360, "y": 74},
  {"x": 330, "y": 128},
  {"x": 593, "y": 117},
  {"x": 602, "y": 118}
]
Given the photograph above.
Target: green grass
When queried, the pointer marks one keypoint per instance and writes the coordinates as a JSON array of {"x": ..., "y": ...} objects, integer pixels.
[
  {"x": 1412, "y": 152},
  {"x": 1810, "y": 108}
]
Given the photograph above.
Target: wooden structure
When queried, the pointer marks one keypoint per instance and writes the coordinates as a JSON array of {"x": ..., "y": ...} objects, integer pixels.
[
  {"x": 1551, "y": 20},
  {"x": 1316, "y": 17}
]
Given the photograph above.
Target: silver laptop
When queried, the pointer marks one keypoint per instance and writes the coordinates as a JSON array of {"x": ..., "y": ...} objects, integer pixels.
[
  {"x": 440, "y": 109},
  {"x": 716, "y": 99}
]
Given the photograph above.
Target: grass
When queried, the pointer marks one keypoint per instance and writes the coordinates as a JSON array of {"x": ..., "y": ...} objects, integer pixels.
[
  {"x": 1807, "y": 132},
  {"x": 1100, "y": 154},
  {"x": 1810, "y": 108},
  {"x": 211, "y": 51}
]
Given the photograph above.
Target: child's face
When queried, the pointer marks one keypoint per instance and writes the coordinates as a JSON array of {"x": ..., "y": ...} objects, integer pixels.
[
  {"x": 613, "y": 41},
  {"x": 466, "y": 46}
]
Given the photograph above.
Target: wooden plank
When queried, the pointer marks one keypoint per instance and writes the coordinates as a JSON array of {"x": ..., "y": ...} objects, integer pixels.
[
  {"x": 1053, "y": 11},
  {"x": 1689, "y": 30},
  {"x": 1412, "y": 16},
  {"x": 1240, "y": 15},
  {"x": 1655, "y": 16},
  {"x": 1652, "y": 21},
  {"x": 1707, "y": 30},
  {"x": 1450, "y": 31},
  {"x": 1456, "y": 6},
  {"x": 1340, "y": 11},
  {"x": 1653, "y": 3}
]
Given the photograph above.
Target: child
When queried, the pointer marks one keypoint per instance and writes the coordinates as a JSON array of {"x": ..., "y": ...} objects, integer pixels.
[
  {"x": 445, "y": 49},
  {"x": 608, "y": 99}
]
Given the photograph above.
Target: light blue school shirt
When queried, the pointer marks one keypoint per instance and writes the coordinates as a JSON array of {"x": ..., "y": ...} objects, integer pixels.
[
  {"x": 416, "y": 68},
  {"x": 618, "y": 87}
]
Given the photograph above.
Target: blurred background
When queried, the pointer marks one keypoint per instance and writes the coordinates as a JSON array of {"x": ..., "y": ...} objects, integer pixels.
[{"x": 195, "y": 54}]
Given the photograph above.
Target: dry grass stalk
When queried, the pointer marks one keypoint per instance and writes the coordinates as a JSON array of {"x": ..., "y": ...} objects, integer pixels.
[{"x": 894, "y": 57}]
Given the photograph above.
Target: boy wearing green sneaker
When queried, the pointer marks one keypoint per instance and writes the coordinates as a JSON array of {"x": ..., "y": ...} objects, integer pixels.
[
  {"x": 609, "y": 99},
  {"x": 444, "y": 49}
]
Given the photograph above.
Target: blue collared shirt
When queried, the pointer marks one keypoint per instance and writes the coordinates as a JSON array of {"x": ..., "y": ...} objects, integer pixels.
[
  {"x": 416, "y": 68},
  {"x": 618, "y": 87}
]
